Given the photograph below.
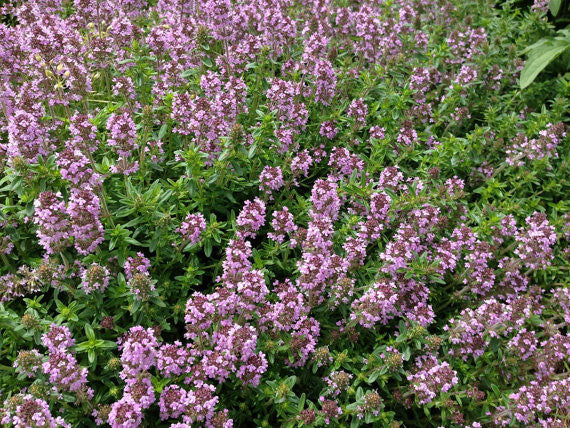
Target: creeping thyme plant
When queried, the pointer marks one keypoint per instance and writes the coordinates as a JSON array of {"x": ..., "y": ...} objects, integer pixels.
[{"x": 281, "y": 213}]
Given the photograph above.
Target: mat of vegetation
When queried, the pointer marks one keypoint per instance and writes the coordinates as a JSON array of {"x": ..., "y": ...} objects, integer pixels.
[{"x": 282, "y": 213}]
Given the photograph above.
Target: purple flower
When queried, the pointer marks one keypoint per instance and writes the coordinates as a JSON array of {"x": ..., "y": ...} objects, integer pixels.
[
  {"x": 64, "y": 372},
  {"x": 51, "y": 216},
  {"x": 95, "y": 278},
  {"x": 58, "y": 338},
  {"x": 27, "y": 137},
  {"x": 172, "y": 402},
  {"x": 138, "y": 264},
  {"x": 138, "y": 351},
  {"x": 83, "y": 134},
  {"x": 192, "y": 228},
  {"x": 301, "y": 163},
  {"x": 270, "y": 179},
  {"x": 329, "y": 409},
  {"x": 328, "y": 130},
  {"x": 86, "y": 227},
  {"x": 358, "y": 110},
  {"x": 282, "y": 224},
  {"x": 430, "y": 378},
  {"x": 122, "y": 134},
  {"x": 75, "y": 167},
  {"x": 28, "y": 363},
  {"x": 338, "y": 382},
  {"x": 140, "y": 389},
  {"x": 536, "y": 241},
  {"x": 173, "y": 359},
  {"x": 23, "y": 411},
  {"x": 251, "y": 218},
  {"x": 125, "y": 413},
  {"x": 325, "y": 199},
  {"x": 377, "y": 305}
]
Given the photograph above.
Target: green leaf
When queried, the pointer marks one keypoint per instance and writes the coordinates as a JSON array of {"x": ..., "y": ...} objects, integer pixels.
[
  {"x": 133, "y": 241},
  {"x": 82, "y": 347},
  {"x": 121, "y": 280},
  {"x": 106, "y": 344},
  {"x": 352, "y": 407},
  {"x": 301, "y": 402},
  {"x": 555, "y": 6},
  {"x": 162, "y": 131},
  {"x": 355, "y": 422},
  {"x": 251, "y": 151},
  {"x": 89, "y": 332},
  {"x": 60, "y": 306},
  {"x": 540, "y": 55},
  {"x": 208, "y": 248},
  {"x": 372, "y": 377},
  {"x": 224, "y": 155},
  {"x": 230, "y": 197},
  {"x": 290, "y": 381},
  {"x": 112, "y": 243},
  {"x": 158, "y": 302},
  {"x": 137, "y": 304},
  {"x": 207, "y": 62}
]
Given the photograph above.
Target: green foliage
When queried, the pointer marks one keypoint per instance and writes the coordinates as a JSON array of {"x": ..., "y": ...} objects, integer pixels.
[
  {"x": 546, "y": 50},
  {"x": 472, "y": 131},
  {"x": 541, "y": 54}
]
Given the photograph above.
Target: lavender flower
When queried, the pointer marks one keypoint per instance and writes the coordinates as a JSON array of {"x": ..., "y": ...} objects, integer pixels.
[{"x": 192, "y": 228}]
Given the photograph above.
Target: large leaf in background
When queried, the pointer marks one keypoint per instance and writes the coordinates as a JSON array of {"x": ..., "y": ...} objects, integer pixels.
[
  {"x": 540, "y": 55},
  {"x": 555, "y": 7}
]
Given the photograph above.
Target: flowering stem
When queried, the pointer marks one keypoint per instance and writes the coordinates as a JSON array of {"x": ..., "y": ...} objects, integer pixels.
[
  {"x": 504, "y": 165},
  {"x": 106, "y": 212}
]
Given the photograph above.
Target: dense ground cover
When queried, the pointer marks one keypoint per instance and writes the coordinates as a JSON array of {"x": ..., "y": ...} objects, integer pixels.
[{"x": 281, "y": 213}]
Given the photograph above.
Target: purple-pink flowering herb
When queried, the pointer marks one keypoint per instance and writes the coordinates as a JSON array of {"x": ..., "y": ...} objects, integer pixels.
[
  {"x": 28, "y": 363},
  {"x": 125, "y": 413},
  {"x": 122, "y": 134},
  {"x": 328, "y": 130},
  {"x": 64, "y": 372},
  {"x": 271, "y": 179},
  {"x": 430, "y": 378},
  {"x": 192, "y": 228},
  {"x": 535, "y": 242},
  {"x": 141, "y": 390},
  {"x": 330, "y": 410},
  {"x": 25, "y": 410},
  {"x": 371, "y": 403},
  {"x": 338, "y": 382},
  {"x": 251, "y": 218},
  {"x": 301, "y": 163},
  {"x": 138, "y": 264},
  {"x": 138, "y": 351},
  {"x": 325, "y": 199},
  {"x": 95, "y": 278},
  {"x": 282, "y": 224},
  {"x": 58, "y": 338},
  {"x": 51, "y": 216},
  {"x": 86, "y": 227},
  {"x": 358, "y": 110},
  {"x": 75, "y": 167}
]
